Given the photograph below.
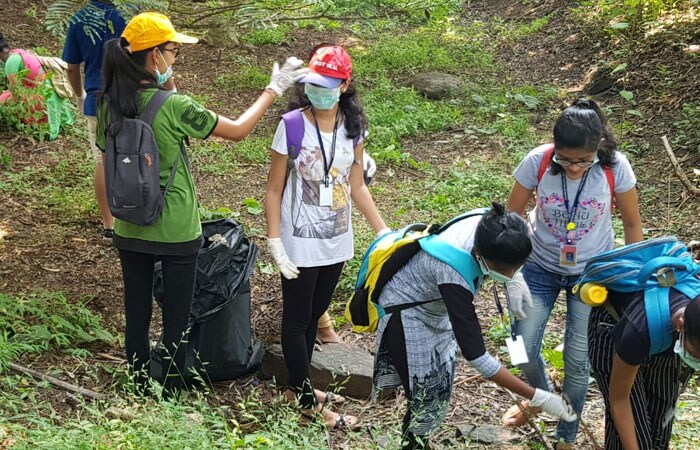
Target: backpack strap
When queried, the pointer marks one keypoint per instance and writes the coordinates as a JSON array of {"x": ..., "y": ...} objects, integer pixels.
[
  {"x": 147, "y": 116},
  {"x": 547, "y": 161},
  {"x": 460, "y": 260},
  {"x": 466, "y": 215},
  {"x": 658, "y": 311},
  {"x": 294, "y": 129},
  {"x": 154, "y": 104}
]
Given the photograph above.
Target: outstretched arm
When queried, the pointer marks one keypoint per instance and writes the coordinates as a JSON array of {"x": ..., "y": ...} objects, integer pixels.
[{"x": 621, "y": 382}]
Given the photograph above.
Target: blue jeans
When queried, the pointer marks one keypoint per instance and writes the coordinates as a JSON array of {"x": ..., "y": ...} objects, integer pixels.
[{"x": 545, "y": 287}]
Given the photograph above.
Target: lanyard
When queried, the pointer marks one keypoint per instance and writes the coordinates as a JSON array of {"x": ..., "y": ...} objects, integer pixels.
[
  {"x": 500, "y": 310},
  {"x": 327, "y": 161},
  {"x": 565, "y": 193}
]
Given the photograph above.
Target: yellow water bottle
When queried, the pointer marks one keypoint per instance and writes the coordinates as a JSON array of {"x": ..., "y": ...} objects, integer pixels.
[{"x": 592, "y": 294}]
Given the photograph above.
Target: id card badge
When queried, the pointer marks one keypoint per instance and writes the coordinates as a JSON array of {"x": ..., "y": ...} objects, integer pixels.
[
  {"x": 516, "y": 350},
  {"x": 567, "y": 256},
  {"x": 325, "y": 195}
]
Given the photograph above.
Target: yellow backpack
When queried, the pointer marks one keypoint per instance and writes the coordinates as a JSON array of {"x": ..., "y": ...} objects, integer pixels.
[{"x": 391, "y": 252}]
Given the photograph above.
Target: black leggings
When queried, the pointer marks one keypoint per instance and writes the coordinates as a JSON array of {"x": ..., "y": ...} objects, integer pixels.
[
  {"x": 179, "y": 273},
  {"x": 304, "y": 300},
  {"x": 394, "y": 343}
]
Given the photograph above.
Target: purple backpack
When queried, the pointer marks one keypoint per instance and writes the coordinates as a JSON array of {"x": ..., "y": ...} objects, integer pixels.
[{"x": 294, "y": 128}]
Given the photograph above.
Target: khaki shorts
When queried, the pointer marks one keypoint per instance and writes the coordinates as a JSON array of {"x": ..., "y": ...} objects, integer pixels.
[{"x": 92, "y": 139}]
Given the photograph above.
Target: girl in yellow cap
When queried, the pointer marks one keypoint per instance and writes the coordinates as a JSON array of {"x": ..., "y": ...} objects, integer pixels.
[{"x": 135, "y": 67}]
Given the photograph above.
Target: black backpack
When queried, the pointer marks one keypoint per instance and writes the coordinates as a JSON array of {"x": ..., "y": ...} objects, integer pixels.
[{"x": 132, "y": 166}]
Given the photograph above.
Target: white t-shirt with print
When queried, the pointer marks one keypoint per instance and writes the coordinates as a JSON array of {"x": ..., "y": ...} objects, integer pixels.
[
  {"x": 593, "y": 216},
  {"x": 315, "y": 235}
]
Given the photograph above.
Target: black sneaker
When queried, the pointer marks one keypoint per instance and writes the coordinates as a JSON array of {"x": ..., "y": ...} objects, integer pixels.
[{"x": 108, "y": 234}]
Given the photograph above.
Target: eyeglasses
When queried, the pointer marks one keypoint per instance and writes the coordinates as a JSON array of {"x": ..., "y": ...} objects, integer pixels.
[
  {"x": 175, "y": 50},
  {"x": 584, "y": 164}
]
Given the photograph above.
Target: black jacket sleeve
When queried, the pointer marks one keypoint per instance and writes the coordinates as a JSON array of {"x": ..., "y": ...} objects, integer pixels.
[{"x": 465, "y": 324}]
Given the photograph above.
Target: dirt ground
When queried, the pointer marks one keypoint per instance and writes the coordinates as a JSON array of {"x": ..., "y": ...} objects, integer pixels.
[{"x": 40, "y": 250}]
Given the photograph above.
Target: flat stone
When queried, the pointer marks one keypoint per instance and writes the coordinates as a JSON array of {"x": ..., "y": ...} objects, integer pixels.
[
  {"x": 436, "y": 85},
  {"x": 489, "y": 434},
  {"x": 337, "y": 367}
]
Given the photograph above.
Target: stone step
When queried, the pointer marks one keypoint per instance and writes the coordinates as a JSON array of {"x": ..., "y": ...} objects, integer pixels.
[{"x": 341, "y": 368}]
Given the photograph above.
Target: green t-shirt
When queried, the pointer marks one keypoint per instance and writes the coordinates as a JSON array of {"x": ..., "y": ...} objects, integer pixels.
[{"x": 179, "y": 117}]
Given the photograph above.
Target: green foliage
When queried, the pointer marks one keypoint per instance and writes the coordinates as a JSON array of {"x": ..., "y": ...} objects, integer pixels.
[
  {"x": 513, "y": 31},
  {"x": 441, "y": 46},
  {"x": 25, "y": 111},
  {"x": 60, "y": 15},
  {"x": 253, "y": 206},
  {"x": 63, "y": 186},
  {"x": 5, "y": 158},
  {"x": 686, "y": 133},
  {"x": 275, "y": 35},
  {"x": 47, "y": 321},
  {"x": 630, "y": 15},
  {"x": 245, "y": 77},
  {"x": 463, "y": 187},
  {"x": 396, "y": 112},
  {"x": 221, "y": 212}
]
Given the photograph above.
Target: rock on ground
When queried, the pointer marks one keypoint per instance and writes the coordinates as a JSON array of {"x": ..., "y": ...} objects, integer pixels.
[{"x": 338, "y": 367}]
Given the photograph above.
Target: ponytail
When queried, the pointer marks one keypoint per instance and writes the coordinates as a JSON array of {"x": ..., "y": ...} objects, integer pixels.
[
  {"x": 123, "y": 77},
  {"x": 584, "y": 125},
  {"x": 503, "y": 236}
]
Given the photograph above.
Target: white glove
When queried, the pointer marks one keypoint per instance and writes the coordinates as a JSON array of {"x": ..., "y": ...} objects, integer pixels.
[
  {"x": 518, "y": 295},
  {"x": 80, "y": 102},
  {"x": 370, "y": 165},
  {"x": 554, "y": 405},
  {"x": 287, "y": 76},
  {"x": 286, "y": 267},
  {"x": 383, "y": 231}
]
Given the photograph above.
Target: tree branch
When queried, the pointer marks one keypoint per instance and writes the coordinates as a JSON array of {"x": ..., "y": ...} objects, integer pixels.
[
  {"x": 677, "y": 168},
  {"x": 57, "y": 382}
]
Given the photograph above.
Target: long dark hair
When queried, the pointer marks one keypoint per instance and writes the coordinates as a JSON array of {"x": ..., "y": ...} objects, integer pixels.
[
  {"x": 691, "y": 322},
  {"x": 349, "y": 104},
  {"x": 503, "y": 236},
  {"x": 123, "y": 76},
  {"x": 3, "y": 43},
  {"x": 584, "y": 125}
]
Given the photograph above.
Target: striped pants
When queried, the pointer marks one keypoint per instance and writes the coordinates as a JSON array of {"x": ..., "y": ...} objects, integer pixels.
[{"x": 654, "y": 393}]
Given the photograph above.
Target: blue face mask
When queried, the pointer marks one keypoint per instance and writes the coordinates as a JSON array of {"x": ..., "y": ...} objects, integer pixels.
[
  {"x": 679, "y": 349},
  {"x": 162, "y": 78},
  {"x": 320, "y": 97}
]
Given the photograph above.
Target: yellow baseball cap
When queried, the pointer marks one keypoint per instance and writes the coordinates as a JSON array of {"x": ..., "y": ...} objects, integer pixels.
[{"x": 148, "y": 30}]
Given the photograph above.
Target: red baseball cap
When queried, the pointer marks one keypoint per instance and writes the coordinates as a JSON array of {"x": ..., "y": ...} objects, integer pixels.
[{"x": 329, "y": 67}]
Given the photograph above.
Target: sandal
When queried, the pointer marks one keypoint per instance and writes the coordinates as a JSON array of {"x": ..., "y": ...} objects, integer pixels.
[
  {"x": 340, "y": 423},
  {"x": 333, "y": 399}
]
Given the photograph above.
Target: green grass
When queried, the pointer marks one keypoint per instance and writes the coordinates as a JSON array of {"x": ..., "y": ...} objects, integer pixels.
[
  {"x": 245, "y": 77},
  {"x": 46, "y": 321},
  {"x": 398, "y": 112},
  {"x": 513, "y": 31},
  {"x": 63, "y": 186},
  {"x": 267, "y": 36},
  {"x": 439, "y": 47}
]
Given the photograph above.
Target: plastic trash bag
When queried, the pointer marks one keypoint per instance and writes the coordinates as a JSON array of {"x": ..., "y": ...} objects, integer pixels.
[{"x": 221, "y": 344}]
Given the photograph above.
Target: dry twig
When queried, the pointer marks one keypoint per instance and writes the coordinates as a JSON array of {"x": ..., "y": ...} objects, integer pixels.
[
  {"x": 57, "y": 382},
  {"x": 531, "y": 422},
  {"x": 677, "y": 168}
]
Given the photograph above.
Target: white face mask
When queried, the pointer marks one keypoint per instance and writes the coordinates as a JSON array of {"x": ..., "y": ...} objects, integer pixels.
[
  {"x": 679, "y": 349},
  {"x": 495, "y": 276}
]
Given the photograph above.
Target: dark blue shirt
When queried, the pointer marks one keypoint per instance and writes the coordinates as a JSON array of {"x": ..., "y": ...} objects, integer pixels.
[{"x": 87, "y": 46}]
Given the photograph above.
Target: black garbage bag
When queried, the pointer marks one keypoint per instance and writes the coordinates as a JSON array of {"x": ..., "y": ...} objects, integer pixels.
[{"x": 221, "y": 344}]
